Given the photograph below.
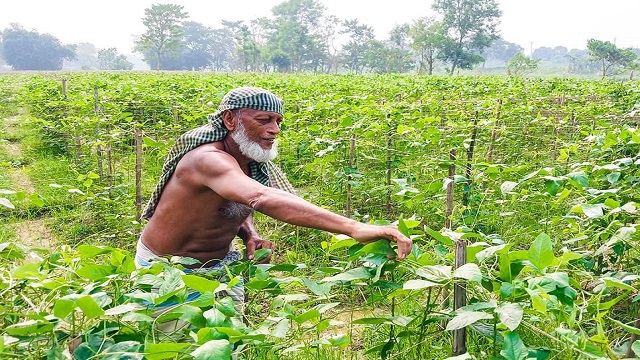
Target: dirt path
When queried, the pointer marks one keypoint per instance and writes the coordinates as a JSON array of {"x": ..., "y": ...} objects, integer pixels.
[{"x": 32, "y": 233}]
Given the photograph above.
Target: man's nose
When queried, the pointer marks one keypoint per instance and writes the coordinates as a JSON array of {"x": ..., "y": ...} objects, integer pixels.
[{"x": 274, "y": 127}]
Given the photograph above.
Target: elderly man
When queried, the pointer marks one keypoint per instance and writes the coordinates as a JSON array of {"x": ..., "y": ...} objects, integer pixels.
[{"x": 218, "y": 174}]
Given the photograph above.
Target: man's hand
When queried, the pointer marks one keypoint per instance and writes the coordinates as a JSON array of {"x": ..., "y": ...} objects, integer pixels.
[
  {"x": 254, "y": 244},
  {"x": 366, "y": 233}
]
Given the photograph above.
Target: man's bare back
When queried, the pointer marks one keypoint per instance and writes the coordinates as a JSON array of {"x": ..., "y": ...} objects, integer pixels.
[{"x": 191, "y": 220}]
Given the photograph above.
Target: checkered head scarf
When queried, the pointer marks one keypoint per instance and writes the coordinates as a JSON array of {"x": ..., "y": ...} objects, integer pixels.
[
  {"x": 247, "y": 97},
  {"x": 269, "y": 174}
]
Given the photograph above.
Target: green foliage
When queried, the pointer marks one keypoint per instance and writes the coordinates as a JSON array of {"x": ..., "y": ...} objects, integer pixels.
[
  {"x": 163, "y": 34},
  {"x": 520, "y": 64},
  {"x": 468, "y": 25},
  {"x": 609, "y": 55},
  {"x": 45, "y": 51},
  {"x": 550, "y": 224}
]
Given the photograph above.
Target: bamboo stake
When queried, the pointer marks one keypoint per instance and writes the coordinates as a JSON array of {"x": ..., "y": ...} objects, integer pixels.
[
  {"x": 352, "y": 151},
  {"x": 449, "y": 205},
  {"x": 494, "y": 132},
  {"x": 96, "y": 107},
  {"x": 109, "y": 159},
  {"x": 138, "y": 135},
  {"x": 389, "y": 147},
  {"x": 460, "y": 299},
  {"x": 474, "y": 133}
]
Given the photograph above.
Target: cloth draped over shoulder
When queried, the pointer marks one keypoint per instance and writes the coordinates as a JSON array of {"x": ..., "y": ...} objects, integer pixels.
[{"x": 268, "y": 174}]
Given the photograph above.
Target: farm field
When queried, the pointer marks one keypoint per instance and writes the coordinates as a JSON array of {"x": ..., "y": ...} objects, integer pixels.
[{"x": 521, "y": 197}]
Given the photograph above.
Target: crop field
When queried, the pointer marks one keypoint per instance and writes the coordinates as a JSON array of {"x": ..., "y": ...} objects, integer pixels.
[{"x": 521, "y": 196}]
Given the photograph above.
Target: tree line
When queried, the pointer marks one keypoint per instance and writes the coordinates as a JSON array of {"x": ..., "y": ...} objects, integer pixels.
[{"x": 300, "y": 37}]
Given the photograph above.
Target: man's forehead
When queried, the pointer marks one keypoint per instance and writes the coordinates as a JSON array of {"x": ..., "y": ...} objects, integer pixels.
[{"x": 255, "y": 112}]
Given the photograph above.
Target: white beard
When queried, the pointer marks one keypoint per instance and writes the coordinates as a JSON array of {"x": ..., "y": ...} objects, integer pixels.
[{"x": 252, "y": 149}]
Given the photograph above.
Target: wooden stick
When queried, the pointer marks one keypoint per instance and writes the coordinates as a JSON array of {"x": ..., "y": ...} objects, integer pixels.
[
  {"x": 352, "y": 151},
  {"x": 494, "y": 132},
  {"x": 138, "y": 134},
  {"x": 474, "y": 133},
  {"x": 449, "y": 205}
]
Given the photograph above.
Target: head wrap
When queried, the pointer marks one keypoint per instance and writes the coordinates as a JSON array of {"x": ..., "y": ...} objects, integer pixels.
[{"x": 244, "y": 97}]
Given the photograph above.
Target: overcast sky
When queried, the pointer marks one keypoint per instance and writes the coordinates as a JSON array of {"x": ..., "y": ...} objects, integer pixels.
[{"x": 529, "y": 23}]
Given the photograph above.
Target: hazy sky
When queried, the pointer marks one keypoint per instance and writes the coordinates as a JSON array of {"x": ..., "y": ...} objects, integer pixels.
[{"x": 529, "y": 23}]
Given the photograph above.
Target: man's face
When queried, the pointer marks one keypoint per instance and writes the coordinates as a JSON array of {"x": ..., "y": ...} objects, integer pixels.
[{"x": 256, "y": 133}]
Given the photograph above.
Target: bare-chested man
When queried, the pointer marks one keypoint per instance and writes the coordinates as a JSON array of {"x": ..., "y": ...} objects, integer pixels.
[{"x": 218, "y": 174}]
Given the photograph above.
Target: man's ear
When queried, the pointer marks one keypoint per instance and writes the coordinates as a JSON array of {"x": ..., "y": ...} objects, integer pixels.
[{"x": 229, "y": 119}]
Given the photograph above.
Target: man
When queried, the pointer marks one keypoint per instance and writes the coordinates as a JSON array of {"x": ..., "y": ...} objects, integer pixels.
[{"x": 218, "y": 174}]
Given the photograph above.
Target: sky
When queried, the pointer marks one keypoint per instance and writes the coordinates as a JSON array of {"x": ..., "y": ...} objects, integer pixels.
[{"x": 528, "y": 23}]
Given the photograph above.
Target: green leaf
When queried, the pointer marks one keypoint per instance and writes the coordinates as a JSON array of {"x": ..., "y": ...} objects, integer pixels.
[
  {"x": 306, "y": 316},
  {"x": 165, "y": 350},
  {"x": 541, "y": 252},
  {"x": 89, "y": 307},
  {"x": 628, "y": 328},
  {"x": 437, "y": 273},
  {"x": 417, "y": 284},
  {"x": 213, "y": 350},
  {"x": 280, "y": 330},
  {"x": 6, "y": 203},
  {"x": 510, "y": 314},
  {"x": 29, "y": 327},
  {"x": 469, "y": 271},
  {"x": 380, "y": 247},
  {"x": 513, "y": 347},
  {"x": 353, "y": 274},
  {"x": 579, "y": 177},
  {"x": 316, "y": 288},
  {"x": 96, "y": 272},
  {"x": 507, "y": 187},
  {"x": 199, "y": 283},
  {"x": 441, "y": 238},
  {"x": 636, "y": 347},
  {"x": 466, "y": 318}
]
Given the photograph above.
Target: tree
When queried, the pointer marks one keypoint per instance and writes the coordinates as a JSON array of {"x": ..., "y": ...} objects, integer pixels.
[
  {"x": 501, "y": 50},
  {"x": 109, "y": 59},
  {"x": 611, "y": 57},
  {"x": 195, "y": 51},
  {"x": 470, "y": 25},
  {"x": 362, "y": 39},
  {"x": 247, "y": 51},
  {"x": 222, "y": 49},
  {"x": 164, "y": 32},
  {"x": 86, "y": 58},
  {"x": 296, "y": 35},
  {"x": 30, "y": 50},
  {"x": 520, "y": 64},
  {"x": 557, "y": 55},
  {"x": 426, "y": 37}
]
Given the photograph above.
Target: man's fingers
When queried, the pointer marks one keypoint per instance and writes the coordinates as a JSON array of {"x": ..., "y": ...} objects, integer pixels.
[{"x": 250, "y": 249}]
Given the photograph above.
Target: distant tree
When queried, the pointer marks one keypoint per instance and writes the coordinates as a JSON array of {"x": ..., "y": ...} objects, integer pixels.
[
  {"x": 556, "y": 55},
  {"x": 195, "y": 51},
  {"x": 86, "y": 58},
  {"x": 501, "y": 50},
  {"x": 30, "y": 50},
  {"x": 222, "y": 49},
  {"x": 610, "y": 56},
  {"x": 397, "y": 53},
  {"x": 295, "y": 34},
  {"x": 581, "y": 63},
  {"x": 520, "y": 64},
  {"x": 427, "y": 36},
  {"x": 329, "y": 30},
  {"x": 247, "y": 50},
  {"x": 361, "y": 39},
  {"x": 470, "y": 26},
  {"x": 109, "y": 59},
  {"x": 164, "y": 33}
]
